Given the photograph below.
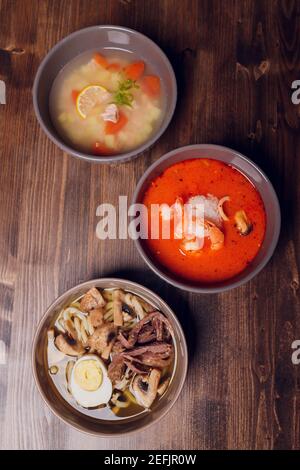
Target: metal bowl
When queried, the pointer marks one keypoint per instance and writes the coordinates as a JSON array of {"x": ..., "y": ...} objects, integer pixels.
[
  {"x": 64, "y": 410},
  {"x": 110, "y": 38},
  {"x": 259, "y": 180}
]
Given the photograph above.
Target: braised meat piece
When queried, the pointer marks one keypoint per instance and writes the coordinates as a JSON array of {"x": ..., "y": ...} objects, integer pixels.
[
  {"x": 154, "y": 320},
  {"x": 117, "y": 347},
  {"x": 158, "y": 355},
  {"x": 92, "y": 299},
  {"x": 116, "y": 368},
  {"x": 102, "y": 338},
  {"x": 96, "y": 317},
  {"x": 147, "y": 334},
  {"x": 140, "y": 359}
]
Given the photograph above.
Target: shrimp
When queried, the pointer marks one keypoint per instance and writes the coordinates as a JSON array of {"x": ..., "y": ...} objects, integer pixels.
[
  {"x": 192, "y": 245},
  {"x": 216, "y": 236},
  {"x": 193, "y": 231}
]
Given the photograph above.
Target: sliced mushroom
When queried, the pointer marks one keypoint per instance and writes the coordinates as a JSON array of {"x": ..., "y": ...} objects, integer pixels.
[
  {"x": 126, "y": 317},
  {"x": 145, "y": 388},
  {"x": 147, "y": 307},
  {"x": 135, "y": 304},
  {"x": 163, "y": 387},
  {"x": 69, "y": 346},
  {"x": 117, "y": 308},
  {"x": 92, "y": 299},
  {"x": 137, "y": 307},
  {"x": 119, "y": 400},
  {"x": 243, "y": 224},
  {"x": 70, "y": 329}
]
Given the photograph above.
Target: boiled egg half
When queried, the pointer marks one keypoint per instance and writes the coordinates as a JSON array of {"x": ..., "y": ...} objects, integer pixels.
[{"x": 89, "y": 383}]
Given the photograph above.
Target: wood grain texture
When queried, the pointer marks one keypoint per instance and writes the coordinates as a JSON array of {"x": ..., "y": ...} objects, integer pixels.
[{"x": 242, "y": 390}]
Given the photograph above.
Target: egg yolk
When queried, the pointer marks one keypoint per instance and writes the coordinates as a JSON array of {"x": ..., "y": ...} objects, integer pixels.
[{"x": 88, "y": 375}]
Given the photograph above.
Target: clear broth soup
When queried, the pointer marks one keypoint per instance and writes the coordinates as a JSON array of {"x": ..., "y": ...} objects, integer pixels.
[
  {"x": 107, "y": 103},
  {"x": 121, "y": 402}
]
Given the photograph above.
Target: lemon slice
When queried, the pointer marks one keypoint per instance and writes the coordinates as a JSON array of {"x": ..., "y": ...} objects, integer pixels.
[{"x": 89, "y": 97}]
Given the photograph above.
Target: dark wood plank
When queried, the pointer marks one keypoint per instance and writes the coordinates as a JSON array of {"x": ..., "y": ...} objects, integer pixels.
[{"x": 242, "y": 390}]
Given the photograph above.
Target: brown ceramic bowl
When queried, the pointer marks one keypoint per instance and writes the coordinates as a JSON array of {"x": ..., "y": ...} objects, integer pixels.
[
  {"x": 259, "y": 180},
  {"x": 79, "y": 420},
  {"x": 101, "y": 38}
]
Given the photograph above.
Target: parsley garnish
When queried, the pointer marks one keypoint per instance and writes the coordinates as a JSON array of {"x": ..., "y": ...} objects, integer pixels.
[{"x": 123, "y": 95}]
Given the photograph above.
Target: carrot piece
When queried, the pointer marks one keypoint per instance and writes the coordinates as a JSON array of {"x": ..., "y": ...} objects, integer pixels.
[
  {"x": 100, "y": 60},
  {"x": 135, "y": 70},
  {"x": 74, "y": 95},
  {"x": 115, "y": 127},
  {"x": 99, "y": 148},
  {"x": 114, "y": 67},
  {"x": 151, "y": 85}
]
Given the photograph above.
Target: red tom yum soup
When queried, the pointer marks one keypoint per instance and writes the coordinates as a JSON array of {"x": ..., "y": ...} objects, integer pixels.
[{"x": 234, "y": 220}]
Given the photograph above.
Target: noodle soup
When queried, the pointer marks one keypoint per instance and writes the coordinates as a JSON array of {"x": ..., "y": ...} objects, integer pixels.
[
  {"x": 111, "y": 354},
  {"x": 106, "y": 104}
]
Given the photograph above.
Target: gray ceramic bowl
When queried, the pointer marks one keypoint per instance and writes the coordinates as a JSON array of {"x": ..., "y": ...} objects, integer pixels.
[
  {"x": 254, "y": 174},
  {"x": 79, "y": 420},
  {"x": 101, "y": 37}
]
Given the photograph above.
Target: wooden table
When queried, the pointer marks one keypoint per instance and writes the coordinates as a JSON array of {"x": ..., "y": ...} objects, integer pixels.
[{"x": 235, "y": 62}]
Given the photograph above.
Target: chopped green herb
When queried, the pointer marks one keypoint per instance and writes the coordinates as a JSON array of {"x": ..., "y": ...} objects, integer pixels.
[{"x": 123, "y": 95}]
